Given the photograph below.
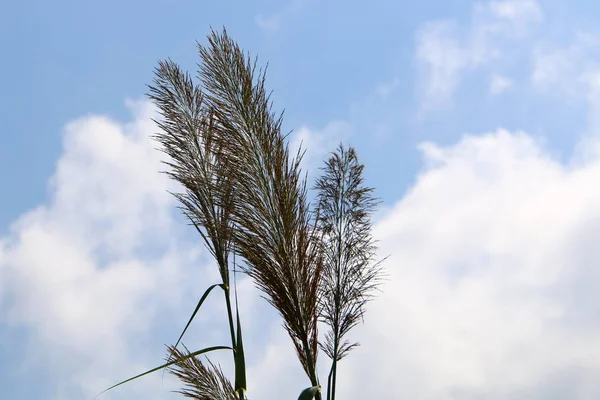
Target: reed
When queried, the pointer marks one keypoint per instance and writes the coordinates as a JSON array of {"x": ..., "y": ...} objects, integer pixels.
[{"x": 246, "y": 196}]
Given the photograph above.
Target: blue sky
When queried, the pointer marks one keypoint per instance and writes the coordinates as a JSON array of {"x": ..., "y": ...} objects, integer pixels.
[{"x": 478, "y": 125}]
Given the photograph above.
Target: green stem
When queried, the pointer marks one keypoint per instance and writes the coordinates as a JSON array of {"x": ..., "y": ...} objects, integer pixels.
[
  {"x": 333, "y": 373},
  {"x": 334, "y": 378},
  {"x": 230, "y": 317},
  {"x": 311, "y": 367},
  {"x": 232, "y": 332},
  {"x": 329, "y": 383}
]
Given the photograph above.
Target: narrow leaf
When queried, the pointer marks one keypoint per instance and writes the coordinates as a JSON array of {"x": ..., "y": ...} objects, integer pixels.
[
  {"x": 196, "y": 353},
  {"x": 240, "y": 362},
  {"x": 202, "y": 381},
  {"x": 309, "y": 393},
  {"x": 204, "y": 296}
]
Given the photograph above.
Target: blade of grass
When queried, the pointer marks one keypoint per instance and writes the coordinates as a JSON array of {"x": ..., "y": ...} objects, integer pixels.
[
  {"x": 196, "y": 353},
  {"x": 240, "y": 360},
  {"x": 309, "y": 393},
  {"x": 202, "y": 380},
  {"x": 204, "y": 296}
]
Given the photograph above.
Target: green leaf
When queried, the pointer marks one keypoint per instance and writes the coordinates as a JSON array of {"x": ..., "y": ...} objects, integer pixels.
[
  {"x": 309, "y": 393},
  {"x": 205, "y": 350},
  {"x": 204, "y": 296},
  {"x": 240, "y": 362}
]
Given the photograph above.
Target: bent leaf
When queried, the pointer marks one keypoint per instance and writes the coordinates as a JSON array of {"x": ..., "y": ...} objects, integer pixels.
[
  {"x": 309, "y": 393},
  {"x": 240, "y": 362},
  {"x": 204, "y": 296},
  {"x": 205, "y": 350}
]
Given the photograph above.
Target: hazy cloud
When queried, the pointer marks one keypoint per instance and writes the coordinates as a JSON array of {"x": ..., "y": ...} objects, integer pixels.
[
  {"x": 499, "y": 84},
  {"x": 272, "y": 23},
  {"x": 445, "y": 50},
  {"x": 318, "y": 143}
]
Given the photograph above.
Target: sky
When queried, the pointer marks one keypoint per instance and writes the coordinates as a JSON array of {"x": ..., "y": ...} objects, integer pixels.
[{"x": 479, "y": 126}]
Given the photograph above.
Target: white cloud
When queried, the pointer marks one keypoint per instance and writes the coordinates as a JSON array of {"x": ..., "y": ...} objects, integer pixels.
[
  {"x": 444, "y": 58},
  {"x": 493, "y": 280},
  {"x": 519, "y": 12},
  {"x": 91, "y": 273},
  {"x": 491, "y": 291},
  {"x": 568, "y": 70},
  {"x": 499, "y": 84},
  {"x": 446, "y": 50},
  {"x": 383, "y": 90},
  {"x": 101, "y": 276},
  {"x": 318, "y": 143},
  {"x": 492, "y": 288},
  {"x": 272, "y": 23}
]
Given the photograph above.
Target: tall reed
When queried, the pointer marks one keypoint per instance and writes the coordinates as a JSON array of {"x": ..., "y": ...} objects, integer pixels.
[
  {"x": 343, "y": 219},
  {"x": 245, "y": 194}
]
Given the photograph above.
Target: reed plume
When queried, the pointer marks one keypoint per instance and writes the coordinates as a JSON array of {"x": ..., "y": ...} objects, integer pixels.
[
  {"x": 273, "y": 232},
  {"x": 202, "y": 382},
  {"x": 343, "y": 219}
]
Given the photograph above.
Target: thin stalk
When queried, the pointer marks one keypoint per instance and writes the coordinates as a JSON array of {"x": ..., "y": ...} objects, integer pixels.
[
  {"x": 232, "y": 332},
  {"x": 329, "y": 383},
  {"x": 314, "y": 380},
  {"x": 334, "y": 378},
  {"x": 230, "y": 317},
  {"x": 343, "y": 219},
  {"x": 340, "y": 249},
  {"x": 333, "y": 372}
]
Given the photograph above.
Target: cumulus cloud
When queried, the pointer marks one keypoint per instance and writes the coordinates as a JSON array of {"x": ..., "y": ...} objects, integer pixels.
[
  {"x": 445, "y": 50},
  {"x": 492, "y": 282},
  {"x": 93, "y": 272},
  {"x": 491, "y": 291},
  {"x": 103, "y": 273},
  {"x": 493, "y": 279},
  {"x": 492, "y": 276}
]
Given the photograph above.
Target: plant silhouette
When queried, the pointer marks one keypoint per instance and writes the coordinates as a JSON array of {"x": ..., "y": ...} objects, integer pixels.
[{"x": 246, "y": 196}]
